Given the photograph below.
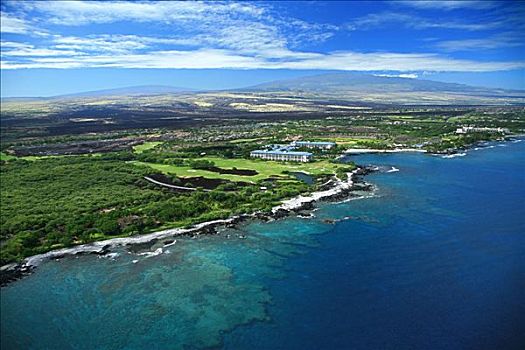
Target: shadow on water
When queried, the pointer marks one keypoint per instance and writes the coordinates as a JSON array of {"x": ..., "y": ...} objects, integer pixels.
[{"x": 308, "y": 179}]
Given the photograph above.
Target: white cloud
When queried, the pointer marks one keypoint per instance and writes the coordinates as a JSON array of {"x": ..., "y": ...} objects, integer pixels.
[
  {"x": 58, "y": 65},
  {"x": 74, "y": 13},
  {"x": 245, "y": 41},
  {"x": 408, "y": 75},
  {"x": 449, "y": 4},
  {"x": 218, "y": 35},
  {"x": 29, "y": 52},
  {"x": 103, "y": 43},
  {"x": 25, "y": 51},
  {"x": 222, "y": 25},
  {"x": 14, "y": 45},
  {"x": 503, "y": 40},
  {"x": 231, "y": 59},
  {"x": 399, "y": 62},
  {"x": 15, "y": 25},
  {"x": 10, "y": 24},
  {"x": 376, "y": 20}
]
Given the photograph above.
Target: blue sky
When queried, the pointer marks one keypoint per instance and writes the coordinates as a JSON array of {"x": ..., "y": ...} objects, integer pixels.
[{"x": 58, "y": 47}]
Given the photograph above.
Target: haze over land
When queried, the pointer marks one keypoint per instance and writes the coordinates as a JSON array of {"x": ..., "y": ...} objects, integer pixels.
[{"x": 345, "y": 85}]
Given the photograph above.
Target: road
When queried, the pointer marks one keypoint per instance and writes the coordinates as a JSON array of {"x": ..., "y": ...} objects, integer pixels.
[{"x": 172, "y": 186}]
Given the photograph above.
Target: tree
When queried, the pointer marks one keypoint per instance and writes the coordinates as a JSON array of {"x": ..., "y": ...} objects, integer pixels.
[{"x": 201, "y": 164}]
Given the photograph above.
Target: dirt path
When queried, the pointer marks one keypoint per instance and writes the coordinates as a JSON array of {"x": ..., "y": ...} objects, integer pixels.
[{"x": 172, "y": 186}]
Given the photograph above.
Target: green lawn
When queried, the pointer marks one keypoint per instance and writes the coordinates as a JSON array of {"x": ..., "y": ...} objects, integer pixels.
[
  {"x": 340, "y": 140},
  {"x": 250, "y": 140},
  {"x": 4, "y": 156},
  {"x": 350, "y": 142},
  {"x": 145, "y": 146},
  {"x": 33, "y": 158},
  {"x": 265, "y": 169}
]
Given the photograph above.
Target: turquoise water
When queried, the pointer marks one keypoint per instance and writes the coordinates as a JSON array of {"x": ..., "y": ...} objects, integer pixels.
[{"x": 436, "y": 260}]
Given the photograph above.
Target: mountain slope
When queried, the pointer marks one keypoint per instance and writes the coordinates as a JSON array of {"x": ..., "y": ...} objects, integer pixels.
[
  {"x": 125, "y": 91},
  {"x": 359, "y": 82},
  {"x": 343, "y": 86},
  {"x": 131, "y": 90}
]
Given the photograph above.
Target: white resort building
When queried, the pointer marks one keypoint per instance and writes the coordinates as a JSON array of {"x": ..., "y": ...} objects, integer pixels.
[
  {"x": 313, "y": 144},
  {"x": 286, "y": 152},
  {"x": 279, "y": 155},
  {"x": 467, "y": 129}
]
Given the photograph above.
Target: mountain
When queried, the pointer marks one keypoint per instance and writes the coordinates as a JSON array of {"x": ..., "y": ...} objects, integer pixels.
[
  {"x": 125, "y": 91},
  {"x": 392, "y": 89},
  {"x": 344, "y": 86},
  {"x": 348, "y": 81},
  {"x": 131, "y": 90}
]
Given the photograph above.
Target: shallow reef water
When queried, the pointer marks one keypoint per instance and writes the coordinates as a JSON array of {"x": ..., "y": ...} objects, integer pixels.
[{"x": 186, "y": 297}]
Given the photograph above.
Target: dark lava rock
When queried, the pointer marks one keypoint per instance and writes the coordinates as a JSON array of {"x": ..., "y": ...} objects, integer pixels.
[
  {"x": 304, "y": 213},
  {"x": 366, "y": 170},
  {"x": 262, "y": 216},
  {"x": 363, "y": 186},
  {"x": 12, "y": 272},
  {"x": 105, "y": 249},
  {"x": 235, "y": 221},
  {"x": 281, "y": 213},
  {"x": 305, "y": 206},
  {"x": 169, "y": 241},
  {"x": 140, "y": 247},
  {"x": 208, "y": 230}
]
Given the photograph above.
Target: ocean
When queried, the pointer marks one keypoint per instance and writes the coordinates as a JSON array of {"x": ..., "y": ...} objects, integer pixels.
[{"x": 434, "y": 259}]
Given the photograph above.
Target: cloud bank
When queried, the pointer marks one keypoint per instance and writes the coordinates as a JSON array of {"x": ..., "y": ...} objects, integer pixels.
[{"x": 228, "y": 35}]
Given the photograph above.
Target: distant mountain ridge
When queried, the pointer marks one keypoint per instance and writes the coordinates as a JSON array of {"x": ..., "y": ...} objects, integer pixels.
[
  {"x": 347, "y": 86},
  {"x": 361, "y": 82},
  {"x": 130, "y": 90}
]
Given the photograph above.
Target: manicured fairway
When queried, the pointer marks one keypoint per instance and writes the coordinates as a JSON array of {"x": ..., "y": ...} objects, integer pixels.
[
  {"x": 265, "y": 169},
  {"x": 250, "y": 140},
  {"x": 145, "y": 146},
  {"x": 4, "y": 156}
]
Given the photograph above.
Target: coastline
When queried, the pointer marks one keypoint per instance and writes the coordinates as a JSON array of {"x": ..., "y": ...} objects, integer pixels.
[
  {"x": 339, "y": 188},
  {"x": 480, "y": 145},
  {"x": 457, "y": 152},
  {"x": 373, "y": 150}
]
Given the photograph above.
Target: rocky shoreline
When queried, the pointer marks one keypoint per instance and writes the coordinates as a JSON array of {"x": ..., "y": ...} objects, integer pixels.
[
  {"x": 352, "y": 151},
  {"x": 338, "y": 189}
]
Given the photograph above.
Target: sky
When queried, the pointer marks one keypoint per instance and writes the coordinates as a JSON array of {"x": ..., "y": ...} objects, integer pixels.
[{"x": 58, "y": 47}]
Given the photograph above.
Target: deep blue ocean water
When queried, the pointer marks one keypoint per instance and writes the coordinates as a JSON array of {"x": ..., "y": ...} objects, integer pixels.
[{"x": 435, "y": 260}]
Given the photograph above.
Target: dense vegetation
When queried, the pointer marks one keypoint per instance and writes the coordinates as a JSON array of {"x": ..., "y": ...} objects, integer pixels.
[{"x": 58, "y": 202}]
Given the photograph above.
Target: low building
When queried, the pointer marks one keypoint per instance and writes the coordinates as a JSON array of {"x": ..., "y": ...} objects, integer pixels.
[
  {"x": 287, "y": 156},
  {"x": 280, "y": 147},
  {"x": 314, "y": 144},
  {"x": 467, "y": 129}
]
